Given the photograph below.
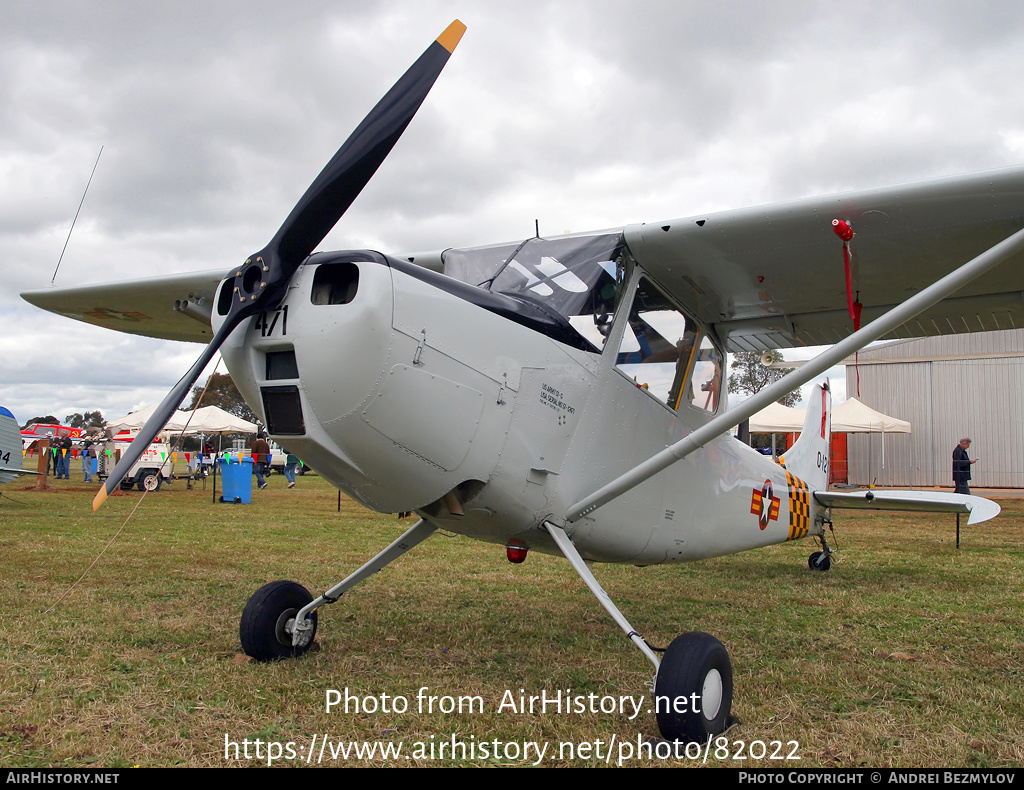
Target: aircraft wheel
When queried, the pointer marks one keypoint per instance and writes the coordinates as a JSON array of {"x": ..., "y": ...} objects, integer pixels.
[
  {"x": 150, "y": 481},
  {"x": 693, "y": 691},
  {"x": 819, "y": 561},
  {"x": 262, "y": 629}
]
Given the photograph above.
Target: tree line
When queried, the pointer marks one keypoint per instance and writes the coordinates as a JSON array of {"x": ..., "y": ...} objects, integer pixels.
[{"x": 220, "y": 391}]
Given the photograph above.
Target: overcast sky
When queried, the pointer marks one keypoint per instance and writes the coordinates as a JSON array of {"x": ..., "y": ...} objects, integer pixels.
[{"x": 215, "y": 116}]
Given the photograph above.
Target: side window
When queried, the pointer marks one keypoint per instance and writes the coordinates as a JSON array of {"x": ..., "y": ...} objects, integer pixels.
[
  {"x": 662, "y": 350},
  {"x": 706, "y": 378}
]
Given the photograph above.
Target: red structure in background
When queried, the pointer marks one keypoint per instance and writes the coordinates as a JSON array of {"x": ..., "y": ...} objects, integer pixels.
[{"x": 839, "y": 463}]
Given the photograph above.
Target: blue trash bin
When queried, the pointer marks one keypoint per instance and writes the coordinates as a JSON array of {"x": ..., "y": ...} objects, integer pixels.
[{"x": 236, "y": 480}]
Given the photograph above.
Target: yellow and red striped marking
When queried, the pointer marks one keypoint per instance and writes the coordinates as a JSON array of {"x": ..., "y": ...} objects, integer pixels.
[{"x": 799, "y": 507}]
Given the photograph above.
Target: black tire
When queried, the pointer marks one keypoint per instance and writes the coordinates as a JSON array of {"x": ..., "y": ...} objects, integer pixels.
[
  {"x": 263, "y": 620},
  {"x": 819, "y": 561},
  {"x": 694, "y": 664},
  {"x": 149, "y": 481}
]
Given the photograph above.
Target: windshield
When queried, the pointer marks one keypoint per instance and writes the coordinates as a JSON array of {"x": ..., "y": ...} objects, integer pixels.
[{"x": 578, "y": 277}]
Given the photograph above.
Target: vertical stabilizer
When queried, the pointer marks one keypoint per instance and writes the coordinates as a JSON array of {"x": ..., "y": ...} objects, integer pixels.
[
  {"x": 808, "y": 459},
  {"x": 10, "y": 446}
]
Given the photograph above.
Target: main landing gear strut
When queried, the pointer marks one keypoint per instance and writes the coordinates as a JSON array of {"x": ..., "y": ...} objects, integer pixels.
[
  {"x": 279, "y": 620},
  {"x": 693, "y": 680}
]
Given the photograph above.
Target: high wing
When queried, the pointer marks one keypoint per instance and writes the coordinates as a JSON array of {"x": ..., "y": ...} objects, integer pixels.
[
  {"x": 765, "y": 277},
  {"x": 139, "y": 307},
  {"x": 151, "y": 307},
  {"x": 773, "y": 276}
]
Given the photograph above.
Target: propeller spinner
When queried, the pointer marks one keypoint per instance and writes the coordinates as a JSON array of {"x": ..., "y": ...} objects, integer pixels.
[{"x": 261, "y": 282}]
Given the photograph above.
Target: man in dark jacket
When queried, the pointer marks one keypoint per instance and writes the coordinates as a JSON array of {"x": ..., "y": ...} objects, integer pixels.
[
  {"x": 962, "y": 466},
  {"x": 64, "y": 459},
  {"x": 261, "y": 458}
]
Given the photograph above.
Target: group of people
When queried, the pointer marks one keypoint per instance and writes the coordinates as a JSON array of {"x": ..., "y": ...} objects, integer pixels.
[{"x": 62, "y": 451}]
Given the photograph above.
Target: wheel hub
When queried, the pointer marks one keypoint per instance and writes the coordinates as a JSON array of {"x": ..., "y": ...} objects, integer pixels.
[
  {"x": 285, "y": 625},
  {"x": 711, "y": 694}
]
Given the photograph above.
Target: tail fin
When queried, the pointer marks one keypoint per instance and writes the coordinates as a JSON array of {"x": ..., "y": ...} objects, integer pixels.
[
  {"x": 808, "y": 458},
  {"x": 10, "y": 446}
]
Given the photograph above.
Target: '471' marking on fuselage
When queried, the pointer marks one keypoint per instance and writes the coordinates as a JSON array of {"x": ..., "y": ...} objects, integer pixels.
[{"x": 267, "y": 322}]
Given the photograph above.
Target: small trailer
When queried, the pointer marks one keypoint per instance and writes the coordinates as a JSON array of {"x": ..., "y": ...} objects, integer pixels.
[{"x": 154, "y": 467}]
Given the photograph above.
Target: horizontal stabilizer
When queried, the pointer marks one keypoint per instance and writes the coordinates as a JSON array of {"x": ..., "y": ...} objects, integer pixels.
[
  {"x": 9, "y": 473},
  {"x": 979, "y": 508},
  {"x": 10, "y": 446}
]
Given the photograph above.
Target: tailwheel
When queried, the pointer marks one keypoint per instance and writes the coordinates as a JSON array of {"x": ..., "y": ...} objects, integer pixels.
[
  {"x": 268, "y": 619},
  {"x": 693, "y": 690},
  {"x": 819, "y": 561}
]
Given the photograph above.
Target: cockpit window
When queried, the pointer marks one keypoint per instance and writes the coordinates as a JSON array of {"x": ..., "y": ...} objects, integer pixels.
[
  {"x": 577, "y": 277},
  {"x": 664, "y": 352}
]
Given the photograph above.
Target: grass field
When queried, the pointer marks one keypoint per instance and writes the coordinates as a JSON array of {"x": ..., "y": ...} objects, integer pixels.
[{"x": 908, "y": 653}]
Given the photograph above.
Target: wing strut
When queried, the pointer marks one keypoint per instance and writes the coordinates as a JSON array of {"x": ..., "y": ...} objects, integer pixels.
[{"x": 900, "y": 314}]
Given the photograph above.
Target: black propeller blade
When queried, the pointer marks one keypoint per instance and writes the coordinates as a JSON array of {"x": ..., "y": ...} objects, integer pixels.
[{"x": 261, "y": 282}]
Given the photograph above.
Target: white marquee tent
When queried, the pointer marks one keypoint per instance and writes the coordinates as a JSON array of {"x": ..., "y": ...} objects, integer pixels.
[
  {"x": 776, "y": 418},
  {"x": 207, "y": 420},
  {"x": 850, "y": 416}
]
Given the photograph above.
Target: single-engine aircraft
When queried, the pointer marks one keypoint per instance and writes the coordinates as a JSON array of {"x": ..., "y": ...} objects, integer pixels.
[
  {"x": 10, "y": 447},
  {"x": 566, "y": 395}
]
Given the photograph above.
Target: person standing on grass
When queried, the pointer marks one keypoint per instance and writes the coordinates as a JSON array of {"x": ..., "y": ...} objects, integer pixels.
[
  {"x": 64, "y": 460},
  {"x": 87, "y": 455},
  {"x": 962, "y": 466},
  {"x": 260, "y": 458},
  {"x": 291, "y": 463}
]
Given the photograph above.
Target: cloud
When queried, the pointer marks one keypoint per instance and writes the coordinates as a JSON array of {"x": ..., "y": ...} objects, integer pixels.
[{"x": 215, "y": 118}]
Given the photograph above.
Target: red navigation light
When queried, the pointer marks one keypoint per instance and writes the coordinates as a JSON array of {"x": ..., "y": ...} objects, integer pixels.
[{"x": 842, "y": 229}]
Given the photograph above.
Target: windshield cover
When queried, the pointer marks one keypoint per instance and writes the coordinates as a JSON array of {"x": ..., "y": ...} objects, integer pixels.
[{"x": 578, "y": 277}]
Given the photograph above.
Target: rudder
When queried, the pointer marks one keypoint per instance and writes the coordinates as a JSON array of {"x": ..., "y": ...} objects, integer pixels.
[
  {"x": 808, "y": 458},
  {"x": 10, "y": 446}
]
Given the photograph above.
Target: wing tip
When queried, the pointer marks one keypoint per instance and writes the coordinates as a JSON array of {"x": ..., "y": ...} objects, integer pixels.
[
  {"x": 451, "y": 36},
  {"x": 982, "y": 509}
]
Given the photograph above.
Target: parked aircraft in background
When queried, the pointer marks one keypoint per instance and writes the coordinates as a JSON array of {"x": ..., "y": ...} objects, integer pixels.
[{"x": 10, "y": 447}]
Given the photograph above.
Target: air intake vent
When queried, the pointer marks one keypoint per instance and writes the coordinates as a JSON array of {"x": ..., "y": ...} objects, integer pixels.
[
  {"x": 283, "y": 409},
  {"x": 335, "y": 283},
  {"x": 282, "y": 365}
]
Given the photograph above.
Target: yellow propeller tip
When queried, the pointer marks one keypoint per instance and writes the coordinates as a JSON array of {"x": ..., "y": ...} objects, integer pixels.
[
  {"x": 99, "y": 499},
  {"x": 451, "y": 36}
]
